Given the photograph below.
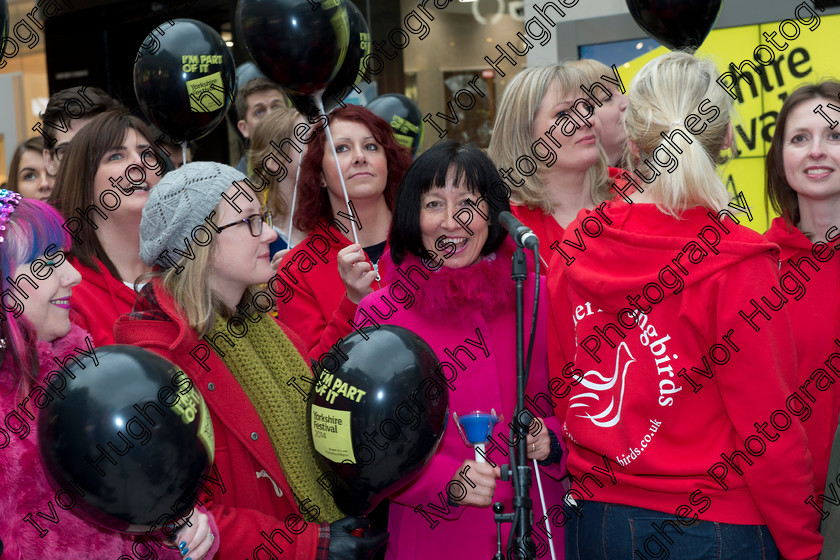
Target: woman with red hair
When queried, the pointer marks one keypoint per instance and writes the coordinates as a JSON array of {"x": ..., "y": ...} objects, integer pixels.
[{"x": 329, "y": 274}]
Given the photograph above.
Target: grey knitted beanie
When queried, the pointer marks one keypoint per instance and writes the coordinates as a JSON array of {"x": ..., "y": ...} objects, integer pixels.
[{"x": 178, "y": 203}]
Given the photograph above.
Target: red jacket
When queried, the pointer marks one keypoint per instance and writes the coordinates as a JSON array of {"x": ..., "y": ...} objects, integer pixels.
[
  {"x": 98, "y": 301},
  {"x": 815, "y": 318},
  {"x": 256, "y": 504},
  {"x": 664, "y": 399},
  {"x": 316, "y": 303},
  {"x": 546, "y": 228}
]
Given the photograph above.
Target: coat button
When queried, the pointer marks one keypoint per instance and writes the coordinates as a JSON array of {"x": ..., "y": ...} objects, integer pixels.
[
  {"x": 211, "y": 386},
  {"x": 254, "y": 436}
]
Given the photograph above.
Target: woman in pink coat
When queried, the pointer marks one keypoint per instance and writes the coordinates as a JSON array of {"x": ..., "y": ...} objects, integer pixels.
[
  {"x": 452, "y": 286},
  {"x": 35, "y": 329}
]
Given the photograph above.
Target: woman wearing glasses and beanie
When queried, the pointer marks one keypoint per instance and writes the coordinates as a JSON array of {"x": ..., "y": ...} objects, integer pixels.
[{"x": 205, "y": 312}]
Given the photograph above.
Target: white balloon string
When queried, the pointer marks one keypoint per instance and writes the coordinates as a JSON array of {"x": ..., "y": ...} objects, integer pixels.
[
  {"x": 294, "y": 199},
  {"x": 320, "y": 104},
  {"x": 542, "y": 499},
  {"x": 184, "y": 152}
]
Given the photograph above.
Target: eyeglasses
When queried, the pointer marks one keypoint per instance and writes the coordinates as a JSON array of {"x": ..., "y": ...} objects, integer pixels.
[
  {"x": 60, "y": 150},
  {"x": 255, "y": 222}
]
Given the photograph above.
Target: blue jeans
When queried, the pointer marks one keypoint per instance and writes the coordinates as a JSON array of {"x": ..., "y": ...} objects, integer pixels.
[{"x": 612, "y": 531}]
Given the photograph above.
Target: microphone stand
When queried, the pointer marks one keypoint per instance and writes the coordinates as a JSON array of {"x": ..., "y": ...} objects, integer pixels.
[{"x": 522, "y": 517}]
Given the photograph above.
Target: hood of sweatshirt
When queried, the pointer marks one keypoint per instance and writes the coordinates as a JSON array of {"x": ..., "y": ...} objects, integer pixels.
[
  {"x": 639, "y": 245},
  {"x": 790, "y": 239}
]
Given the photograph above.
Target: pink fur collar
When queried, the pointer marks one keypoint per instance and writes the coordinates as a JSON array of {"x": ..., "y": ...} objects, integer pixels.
[
  {"x": 58, "y": 348},
  {"x": 485, "y": 286},
  {"x": 61, "y": 347}
]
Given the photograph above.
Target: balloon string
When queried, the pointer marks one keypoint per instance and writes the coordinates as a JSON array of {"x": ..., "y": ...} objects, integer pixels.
[
  {"x": 184, "y": 152},
  {"x": 320, "y": 104},
  {"x": 294, "y": 199},
  {"x": 542, "y": 499}
]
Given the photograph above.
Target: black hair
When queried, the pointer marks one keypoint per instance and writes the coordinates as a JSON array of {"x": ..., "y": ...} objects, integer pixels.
[{"x": 474, "y": 168}]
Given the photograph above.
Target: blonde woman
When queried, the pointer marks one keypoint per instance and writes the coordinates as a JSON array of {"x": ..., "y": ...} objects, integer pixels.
[
  {"x": 611, "y": 103},
  {"x": 548, "y": 150},
  {"x": 205, "y": 313},
  {"x": 273, "y": 162},
  {"x": 675, "y": 405}
]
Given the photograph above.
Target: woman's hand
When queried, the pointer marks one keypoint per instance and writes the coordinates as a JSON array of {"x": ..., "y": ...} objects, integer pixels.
[
  {"x": 196, "y": 538},
  {"x": 539, "y": 446},
  {"x": 356, "y": 273},
  {"x": 351, "y": 539},
  {"x": 483, "y": 476}
]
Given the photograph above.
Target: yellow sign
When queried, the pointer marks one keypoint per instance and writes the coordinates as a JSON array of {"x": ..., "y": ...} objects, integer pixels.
[
  {"x": 207, "y": 93},
  {"x": 331, "y": 434},
  {"x": 786, "y": 55}
]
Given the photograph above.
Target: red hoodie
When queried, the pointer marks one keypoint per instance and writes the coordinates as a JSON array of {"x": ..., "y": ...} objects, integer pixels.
[
  {"x": 815, "y": 317},
  {"x": 655, "y": 406},
  {"x": 98, "y": 301}
]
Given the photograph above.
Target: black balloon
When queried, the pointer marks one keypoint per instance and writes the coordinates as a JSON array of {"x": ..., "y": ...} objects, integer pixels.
[
  {"x": 676, "y": 24},
  {"x": 386, "y": 385},
  {"x": 403, "y": 115},
  {"x": 184, "y": 78},
  {"x": 351, "y": 70},
  {"x": 4, "y": 33},
  {"x": 157, "y": 447},
  {"x": 298, "y": 46}
]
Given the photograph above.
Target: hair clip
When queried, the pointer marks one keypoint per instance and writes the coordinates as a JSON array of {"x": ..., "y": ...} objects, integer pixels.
[{"x": 8, "y": 201}]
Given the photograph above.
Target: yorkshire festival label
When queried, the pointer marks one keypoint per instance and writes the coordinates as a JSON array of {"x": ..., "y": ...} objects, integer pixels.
[{"x": 331, "y": 434}]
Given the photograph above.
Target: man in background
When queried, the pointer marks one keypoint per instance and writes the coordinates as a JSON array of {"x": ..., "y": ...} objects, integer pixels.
[
  {"x": 67, "y": 112},
  {"x": 254, "y": 100}
]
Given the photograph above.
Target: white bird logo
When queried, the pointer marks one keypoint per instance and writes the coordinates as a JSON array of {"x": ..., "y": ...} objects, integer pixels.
[{"x": 594, "y": 381}]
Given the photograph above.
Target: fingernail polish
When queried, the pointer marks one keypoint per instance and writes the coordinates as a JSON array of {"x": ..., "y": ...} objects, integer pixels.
[
  {"x": 183, "y": 545},
  {"x": 184, "y": 551}
]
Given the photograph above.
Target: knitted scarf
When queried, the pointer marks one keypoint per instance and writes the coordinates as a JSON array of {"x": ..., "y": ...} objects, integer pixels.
[{"x": 262, "y": 362}]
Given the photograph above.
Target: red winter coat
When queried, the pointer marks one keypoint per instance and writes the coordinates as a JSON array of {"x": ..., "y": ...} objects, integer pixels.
[
  {"x": 316, "y": 301},
  {"x": 34, "y": 522},
  {"x": 256, "y": 505},
  {"x": 98, "y": 301}
]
